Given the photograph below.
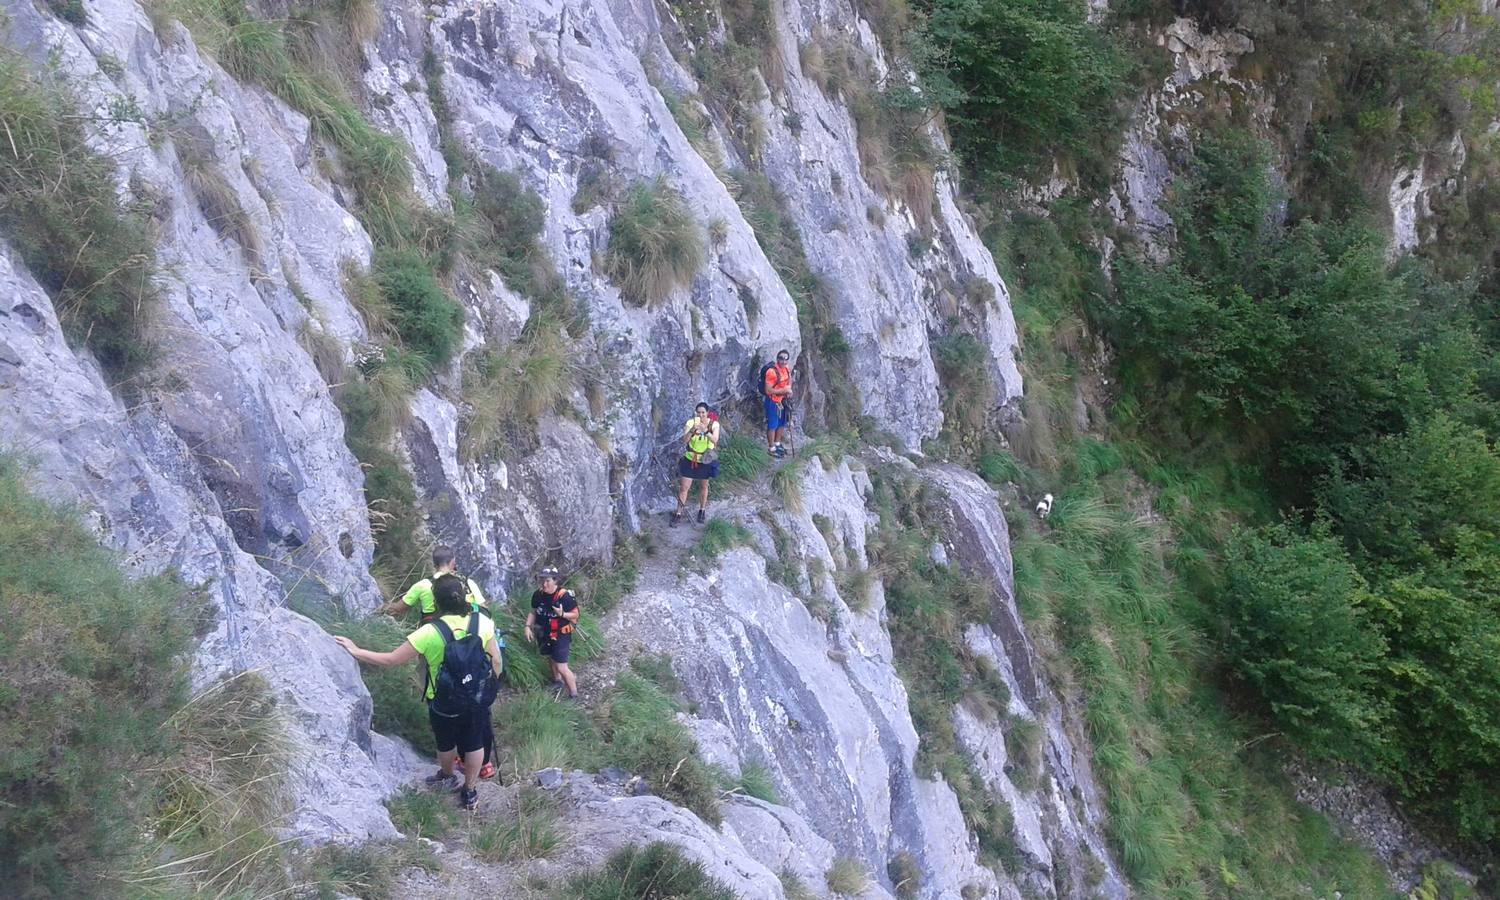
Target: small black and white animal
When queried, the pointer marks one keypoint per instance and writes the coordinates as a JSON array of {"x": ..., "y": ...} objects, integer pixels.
[{"x": 1044, "y": 507}]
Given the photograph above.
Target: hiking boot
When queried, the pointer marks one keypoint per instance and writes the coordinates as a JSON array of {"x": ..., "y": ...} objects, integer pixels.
[
  {"x": 779, "y": 452},
  {"x": 439, "y": 780},
  {"x": 676, "y": 517},
  {"x": 702, "y": 516},
  {"x": 487, "y": 770},
  {"x": 468, "y": 798}
]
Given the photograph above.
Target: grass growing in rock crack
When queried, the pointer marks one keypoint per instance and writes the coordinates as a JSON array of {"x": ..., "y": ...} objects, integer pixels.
[
  {"x": 420, "y": 813},
  {"x": 532, "y": 833},
  {"x": 367, "y": 871},
  {"x": 655, "y": 245},
  {"x": 794, "y": 887},
  {"x": 786, "y": 483},
  {"x": 985, "y": 812},
  {"x": 719, "y": 536},
  {"x": 847, "y": 876},
  {"x": 854, "y": 586},
  {"x": 741, "y": 458},
  {"x": 643, "y": 736},
  {"x": 755, "y": 781},
  {"x": 905, "y": 875},
  {"x": 928, "y": 607},
  {"x": 61, "y": 212},
  {"x": 655, "y": 870},
  {"x": 217, "y": 200},
  {"x": 1023, "y": 745},
  {"x": 509, "y": 388}
]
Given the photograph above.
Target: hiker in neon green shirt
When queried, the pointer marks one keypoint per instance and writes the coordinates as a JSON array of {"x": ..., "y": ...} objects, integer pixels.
[
  {"x": 419, "y": 595},
  {"x": 465, "y": 734}
]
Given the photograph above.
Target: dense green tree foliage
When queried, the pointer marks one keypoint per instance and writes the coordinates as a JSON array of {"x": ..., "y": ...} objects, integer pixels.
[
  {"x": 1357, "y": 387},
  {"x": 1299, "y": 631},
  {"x": 1022, "y": 81}
]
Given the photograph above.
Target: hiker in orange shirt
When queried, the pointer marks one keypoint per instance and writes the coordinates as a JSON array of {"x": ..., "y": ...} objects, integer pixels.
[{"x": 775, "y": 388}]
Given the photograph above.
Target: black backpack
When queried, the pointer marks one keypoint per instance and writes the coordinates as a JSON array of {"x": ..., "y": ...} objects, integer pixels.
[
  {"x": 760, "y": 380},
  {"x": 465, "y": 680}
]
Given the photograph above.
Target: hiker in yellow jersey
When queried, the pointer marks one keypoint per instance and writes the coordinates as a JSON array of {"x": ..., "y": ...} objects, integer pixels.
[
  {"x": 419, "y": 595},
  {"x": 458, "y": 699},
  {"x": 699, "y": 461}
]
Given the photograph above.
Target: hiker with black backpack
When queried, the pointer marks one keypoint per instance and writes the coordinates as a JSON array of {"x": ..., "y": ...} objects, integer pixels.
[
  {"x": 419, "y": 595},
  {"x": 463, "y": 677},
  {"x": 776, "y": 393},
  {"x": 699, "y": 461},
  {"x": 550, "y": 624}
]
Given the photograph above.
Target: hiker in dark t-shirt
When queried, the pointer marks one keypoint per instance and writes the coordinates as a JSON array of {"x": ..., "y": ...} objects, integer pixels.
[{"x": 550, "y": 624}]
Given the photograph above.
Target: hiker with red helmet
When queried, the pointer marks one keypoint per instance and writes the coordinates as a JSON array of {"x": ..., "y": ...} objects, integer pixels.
[
  {"x": 700, "y": 461},
  {"x": 550, "y": 625}
]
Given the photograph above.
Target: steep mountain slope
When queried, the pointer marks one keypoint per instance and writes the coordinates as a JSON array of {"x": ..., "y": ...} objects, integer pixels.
[{"x": 453, "y": 273}]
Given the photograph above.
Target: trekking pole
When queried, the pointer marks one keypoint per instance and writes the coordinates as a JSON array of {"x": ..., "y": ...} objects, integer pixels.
[{"x": 791, "y": 430}]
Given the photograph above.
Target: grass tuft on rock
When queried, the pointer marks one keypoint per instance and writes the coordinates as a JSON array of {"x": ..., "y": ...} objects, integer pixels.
[
  {"x": 847, "y": 877},
  {"x": 428, "y": 321},
  {"x": 755, "y": 781},
  {"x": 644, "y": 737},
  {"x": 720, "y": 536},
  {"x": 657, "y": 870},
  {"x": 741, "y": 458},
  {"x": 368, "y": 871},
  {"x": 655, "y": 245},
  {"x": 420, "y": 813},
  {"x": 61, "y": 212},
  {"x": 532, "y": 832}
]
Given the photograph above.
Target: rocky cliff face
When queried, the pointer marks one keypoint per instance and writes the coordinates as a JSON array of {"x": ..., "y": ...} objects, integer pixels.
[
  {"x": 816, "y": 699},
  {"x": 230, "y": 465}
]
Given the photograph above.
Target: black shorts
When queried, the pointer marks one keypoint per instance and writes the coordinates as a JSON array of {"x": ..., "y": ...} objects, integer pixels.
[
  {"x": 464, "y": 733},
  {"x": 557, "y": 650},
  {"x": 701, "y": 471}
]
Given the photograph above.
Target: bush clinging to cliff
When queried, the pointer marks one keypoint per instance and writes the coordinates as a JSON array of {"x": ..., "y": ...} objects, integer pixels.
[
  {"x": 655, "y": 246},
  {"x": 60, "y": 211}
]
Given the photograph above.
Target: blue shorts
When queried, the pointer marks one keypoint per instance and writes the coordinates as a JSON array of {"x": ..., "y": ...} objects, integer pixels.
[{"x": 773, "y": 415}]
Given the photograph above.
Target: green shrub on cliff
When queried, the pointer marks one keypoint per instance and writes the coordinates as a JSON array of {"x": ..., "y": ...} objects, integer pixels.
[
  {"x": 94, "y": 670},
  {"x": 60, "y": 210},
  {"x": 111, "y": 775},
  {"x": 655, "y": 245},
  {"x": 1026, "y": 80}
]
